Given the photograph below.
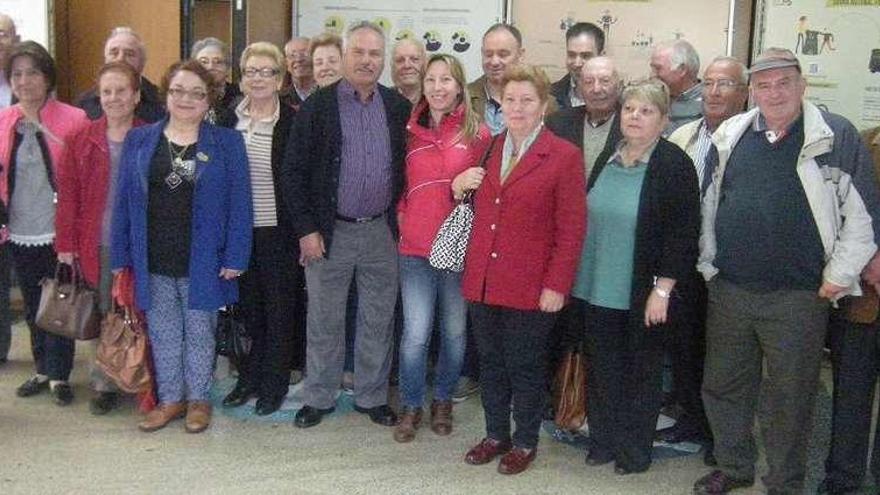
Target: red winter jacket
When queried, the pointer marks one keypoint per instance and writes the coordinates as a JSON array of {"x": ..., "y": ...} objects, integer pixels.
[
  {"x": 83, "y": 183},
  {"x": 433, "y": 160},
  {"x": 528, "y": 232}
]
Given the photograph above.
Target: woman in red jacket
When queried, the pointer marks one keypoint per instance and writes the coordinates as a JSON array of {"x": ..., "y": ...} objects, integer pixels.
[
  {"x": 86, "y": 179},
  {"x": 445, "y": 144},
  {"x": 521, "y": 261}
]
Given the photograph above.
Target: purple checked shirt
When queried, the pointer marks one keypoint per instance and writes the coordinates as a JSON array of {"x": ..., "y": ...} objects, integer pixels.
[{"x": 365, "y": 171}]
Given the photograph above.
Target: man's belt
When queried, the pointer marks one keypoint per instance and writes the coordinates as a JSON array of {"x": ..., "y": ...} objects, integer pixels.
[{"x": 358, "y": 220}]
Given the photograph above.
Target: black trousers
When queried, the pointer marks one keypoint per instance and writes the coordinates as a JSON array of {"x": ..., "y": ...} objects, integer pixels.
[
  {"x": 5, "y": 311},
  {"x": 513, "y": 358},
  {"x": 687, "y": 350},
  {"x": 855, "y": 357},
  {"x": 269, "y": 291},
  {"x": 53, "y": 354},
  {"x": 623, "y": 386}
]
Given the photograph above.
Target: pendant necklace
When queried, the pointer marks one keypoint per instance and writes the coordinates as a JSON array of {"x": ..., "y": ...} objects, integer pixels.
[{"x": 180, "y": 169}]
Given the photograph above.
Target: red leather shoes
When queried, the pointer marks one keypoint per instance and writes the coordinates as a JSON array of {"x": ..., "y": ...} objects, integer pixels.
[
  {"x": 517, "y": 460},
  {"x": 485, "y": 451}
]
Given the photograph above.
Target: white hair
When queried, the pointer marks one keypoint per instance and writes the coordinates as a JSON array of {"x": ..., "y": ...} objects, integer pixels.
[{"x": 682, "y": 53}]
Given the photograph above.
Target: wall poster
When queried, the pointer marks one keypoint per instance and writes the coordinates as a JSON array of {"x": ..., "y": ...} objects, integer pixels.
[
  {"x": 452, "y": 26},
  {"x": 31, "y": 18},
  {"x": 632, "y": 28},
  {"x": 838, "y": 44}
]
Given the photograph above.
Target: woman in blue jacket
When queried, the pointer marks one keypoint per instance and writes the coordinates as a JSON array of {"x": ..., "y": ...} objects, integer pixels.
[{"x": 182, "y": 222}]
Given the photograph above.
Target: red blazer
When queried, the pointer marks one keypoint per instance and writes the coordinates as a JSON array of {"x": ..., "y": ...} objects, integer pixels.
[
  {"x": 528, "y": 232},
  {"x": 83, "y": 181}
]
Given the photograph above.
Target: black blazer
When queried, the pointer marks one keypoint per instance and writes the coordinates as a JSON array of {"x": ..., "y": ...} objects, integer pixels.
[
  {"x": 310, "y": 174},
  {"x": 569, "y": 124},
  {"x": 280, "y": 137},
  {"x": 559, "y": 90},
  {"x": 667, "y": 226}
]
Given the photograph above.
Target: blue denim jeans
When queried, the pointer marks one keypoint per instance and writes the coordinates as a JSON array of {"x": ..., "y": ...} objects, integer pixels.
[{"x": 423, "y": 289}]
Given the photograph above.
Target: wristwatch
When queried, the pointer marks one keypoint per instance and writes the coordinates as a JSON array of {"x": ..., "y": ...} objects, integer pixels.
[{"x": 661, "y": 291}]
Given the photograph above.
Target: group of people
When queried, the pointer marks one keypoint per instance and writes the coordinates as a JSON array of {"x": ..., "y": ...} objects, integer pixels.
[{"x": 717, "y": 237}]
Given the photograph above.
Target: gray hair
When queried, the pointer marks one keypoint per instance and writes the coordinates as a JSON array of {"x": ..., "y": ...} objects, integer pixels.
[
  {"x": 127, "y": 31},
  {"x": 652, "y": 91},
  {"x": 210, "y": 42},
  {"x": 741, "y": 68},
  {"x": 364, "y": 25},
  {"x": 682, "y": 53}
]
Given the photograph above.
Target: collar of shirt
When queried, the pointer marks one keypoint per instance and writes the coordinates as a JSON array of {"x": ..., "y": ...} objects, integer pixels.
[
  {"x": 573, "y": 96},
  {"x": 760, "y": 125},
  {"x": 692, "y": 93},
  {"x": 508, "y": 151},
  {"x": 599, "y": 123},
  {"x": 642, "y": 160},
  {"x": 346, "y": 90},
  {"x": 243, "y": 111},
  {"x": 303, "y": 94}
]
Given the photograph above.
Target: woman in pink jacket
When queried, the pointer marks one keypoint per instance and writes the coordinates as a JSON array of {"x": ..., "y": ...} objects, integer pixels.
[
  {"x": 445, "y": 145},
  {"x": 33, "y": 136}
]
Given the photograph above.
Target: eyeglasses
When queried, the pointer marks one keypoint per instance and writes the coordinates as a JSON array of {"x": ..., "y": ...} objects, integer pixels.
[
  {"x": 722, "y": 84},
  {"x": 192, "y": 94},
  {"x": 265, "y": 72},
  {"x": 217, "y": 62}
]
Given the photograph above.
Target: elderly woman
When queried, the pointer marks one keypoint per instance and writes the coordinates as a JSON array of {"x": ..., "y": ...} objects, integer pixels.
[
  {"x": 270, "y": 287},
  {"x": 642, "y": 234},
  {"x": 444, "y": 146},
  {"x": 521, "y": 262},
  {"x": 326, "y": 59},
  {"x": 214, "y": 56},
  {"x": 34, "y": 134},
  {"x": 86, "y": 191},
  {"x": 183, "y": 223}
]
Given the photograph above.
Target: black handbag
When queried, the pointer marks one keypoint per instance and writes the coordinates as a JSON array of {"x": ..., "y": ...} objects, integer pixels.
[{"x": 233, "y": 340}]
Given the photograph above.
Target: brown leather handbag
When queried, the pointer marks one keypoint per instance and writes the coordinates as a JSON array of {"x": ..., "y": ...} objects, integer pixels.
[
  {"x": 68, "y": 307},
  {"x": 123, "y": 350},
  {"x": 570, "y": 392}
]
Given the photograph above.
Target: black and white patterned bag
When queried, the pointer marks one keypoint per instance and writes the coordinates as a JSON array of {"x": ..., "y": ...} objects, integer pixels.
[{"x": 451, "y": 242}]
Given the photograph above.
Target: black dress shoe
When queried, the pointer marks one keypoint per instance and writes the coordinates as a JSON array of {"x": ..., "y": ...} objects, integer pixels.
[
  {"x": 268, "y": 405},
  {"x": 597, "y": 457},
  {"x": 381, "y": 415},
  {"x": 719, "y": 483},
  {"x": 709, "y": 455},
  {"x": 32, "y": 386},
  {"x": 103, "y": 403},
  {"x": 239, "y": 396},
  {"x": 310, "y": 416},
  {"x": 624, "y": 470},
  {"x": 677, "y": 434},
  {"x": 62, "y": 393}
]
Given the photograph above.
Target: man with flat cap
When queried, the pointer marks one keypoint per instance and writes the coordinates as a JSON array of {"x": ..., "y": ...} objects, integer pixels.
[{"x": 787, "y": 229}]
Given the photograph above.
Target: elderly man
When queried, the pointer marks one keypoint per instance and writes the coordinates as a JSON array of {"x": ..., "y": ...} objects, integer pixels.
[
  {"x": 677, "y": 64},
  {"x": 583, "y": 41},
  {"x": 8, "y": 37},
  {"x": 299, "y": 68},
  {"x": 407, "y": 64},
  {"x": 725, "y": 92},
  {"x": 502, "y": 48},
  {"x": 787, "y": 228},
  {"x": 855, "y": 355},
  {"x": 594, "y": 127},
  {"x": 343, "y": 176},
  {"x": 126, "y": 46}
]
